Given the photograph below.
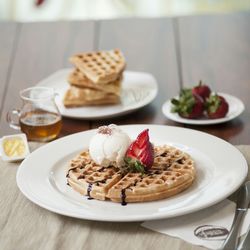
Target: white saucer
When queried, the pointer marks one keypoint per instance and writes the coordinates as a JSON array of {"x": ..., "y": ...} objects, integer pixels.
[
  {"x": 236, "y": 107},
  {"x": 138, "y": 90}
]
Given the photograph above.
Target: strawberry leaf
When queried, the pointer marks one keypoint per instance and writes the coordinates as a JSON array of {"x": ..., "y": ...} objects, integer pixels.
[
  {"x": 133, "y": 165},
  {"x": 139, "y": 167},
  {"x": 175, "y": 102},
  {"x": 213, "y": 103}
]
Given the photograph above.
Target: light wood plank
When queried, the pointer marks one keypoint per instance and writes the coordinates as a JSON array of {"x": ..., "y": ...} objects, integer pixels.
[
  {"x": 148, "y": 45},
  {"x": 42, "y": 49},
  {"x": 216, "y": 49},
  {"x": 9, "y": 35}
]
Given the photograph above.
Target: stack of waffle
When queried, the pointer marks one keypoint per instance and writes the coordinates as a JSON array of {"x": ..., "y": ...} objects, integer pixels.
[{"x": 96, "y": 79}]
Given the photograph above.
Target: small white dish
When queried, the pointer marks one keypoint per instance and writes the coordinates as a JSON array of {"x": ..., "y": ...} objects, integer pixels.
[
  {"x": 236, "y": 107},
  {"x": 220, "y": 172},
  {"x": 138, "y": 90},
  {"x": 14, "y": 147}
]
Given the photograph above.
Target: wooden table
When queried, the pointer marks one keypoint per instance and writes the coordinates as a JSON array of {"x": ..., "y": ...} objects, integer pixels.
[{"x": 177, "y": 51}]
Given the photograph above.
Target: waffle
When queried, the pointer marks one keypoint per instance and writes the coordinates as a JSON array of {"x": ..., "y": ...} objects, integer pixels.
[
  {"x": 77, "y": 97},
  {"x": 173, "y": 171},
  {"x": 101, "y": 67},
  {"x": 78, "y": 79},
  {"x": 91, "y": 179}
]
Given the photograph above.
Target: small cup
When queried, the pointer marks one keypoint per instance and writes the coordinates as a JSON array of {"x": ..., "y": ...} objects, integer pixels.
[
  {"x": 14, "y": 147},
  {"x": 39, "y": 117}
]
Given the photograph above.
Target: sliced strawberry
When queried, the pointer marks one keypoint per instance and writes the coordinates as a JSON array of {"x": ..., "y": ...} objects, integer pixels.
[
  {"x": 188, "y": 105},
  {"x": 202, "y": 90},
  {"x": 216, "y": 106},
  {"x": 139, "y": 155},
  {"x": 133, "y": 150},
  {"x": 147, "y": 156},
  {"x": 143, "y": 138}
]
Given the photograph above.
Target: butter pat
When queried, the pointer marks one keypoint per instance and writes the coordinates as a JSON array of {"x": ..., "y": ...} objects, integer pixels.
[{"x": 14, "y": 147}]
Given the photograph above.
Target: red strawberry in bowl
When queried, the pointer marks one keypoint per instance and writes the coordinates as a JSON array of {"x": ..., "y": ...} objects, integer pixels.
[
  {"x": 202, "y": 90},
  {"x": 188, "y": 105},
  {"x": 216, "y": 106},
  {"x": 140, "y": 156}
]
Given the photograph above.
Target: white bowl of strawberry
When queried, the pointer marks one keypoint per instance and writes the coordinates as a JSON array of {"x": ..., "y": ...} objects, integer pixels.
[{"x": 200, "y": 106}]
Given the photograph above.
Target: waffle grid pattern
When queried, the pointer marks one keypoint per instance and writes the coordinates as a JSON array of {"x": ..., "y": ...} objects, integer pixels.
[{"x": 172, "y": 172}]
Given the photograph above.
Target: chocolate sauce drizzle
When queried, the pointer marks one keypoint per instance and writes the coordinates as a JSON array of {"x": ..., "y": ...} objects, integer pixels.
[
  {"x": 101, "y": 169},
  {"x": 81, "y": 176},
  {"x": 157, "y": 172},
  {"x": 67, "y": 175},
  {"x": 89, "y": 190},
  {"x": 123, "y": 191},
  {"x": 102, "y": 181},
  {"x": 123, "y": 197}
]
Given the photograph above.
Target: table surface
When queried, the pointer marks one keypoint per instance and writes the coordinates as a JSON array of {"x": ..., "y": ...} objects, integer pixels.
[{"x": 177, "y": 51}]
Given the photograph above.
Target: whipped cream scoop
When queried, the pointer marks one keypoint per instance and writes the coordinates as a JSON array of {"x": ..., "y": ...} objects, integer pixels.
[{"x": 109, "y": 146}]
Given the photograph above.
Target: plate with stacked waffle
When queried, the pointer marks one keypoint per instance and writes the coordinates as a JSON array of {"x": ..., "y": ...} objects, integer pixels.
[
  {"x": 99, "y": 87},
  {"x": 132, "y": 173}
]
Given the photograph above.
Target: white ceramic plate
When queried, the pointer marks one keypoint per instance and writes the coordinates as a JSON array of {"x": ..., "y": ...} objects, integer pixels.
[
  {"x": 220, "y": 171},
  {"x": 138, "y": 90},
  {"x": 236, "y": 107}
]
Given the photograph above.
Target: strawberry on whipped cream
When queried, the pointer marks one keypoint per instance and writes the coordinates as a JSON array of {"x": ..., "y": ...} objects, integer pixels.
[{"x": 109, "y": 146}]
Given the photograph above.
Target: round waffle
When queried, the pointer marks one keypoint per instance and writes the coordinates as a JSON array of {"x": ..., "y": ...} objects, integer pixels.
[{"x": 173, "y": 171}]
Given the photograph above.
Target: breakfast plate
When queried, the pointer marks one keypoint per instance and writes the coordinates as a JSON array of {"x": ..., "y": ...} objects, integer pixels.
[
  {"x": 138, "y": 90},
  {"x": 236, "y": 107},
  {"x": 220, "y": 171}
]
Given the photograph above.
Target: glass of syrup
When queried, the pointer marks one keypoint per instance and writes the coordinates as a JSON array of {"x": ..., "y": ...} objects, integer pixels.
[{"x": 39, "y": 117}]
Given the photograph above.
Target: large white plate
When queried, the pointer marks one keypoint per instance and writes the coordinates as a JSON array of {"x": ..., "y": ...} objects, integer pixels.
[
  {"x": 236, "y": 107},
  {"x": 221, "y": 169},
  {"x": 138, "y": 90}
]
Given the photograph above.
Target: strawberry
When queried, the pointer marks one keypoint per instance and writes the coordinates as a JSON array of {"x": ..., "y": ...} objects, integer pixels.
[
  {"x": 216, "y": 106},
  {"x": 139, "y": 156},
  {"x": 202, "y": 90},
  {"x": 39, "y": 2},
  {"x": 188, "y": 105}
]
